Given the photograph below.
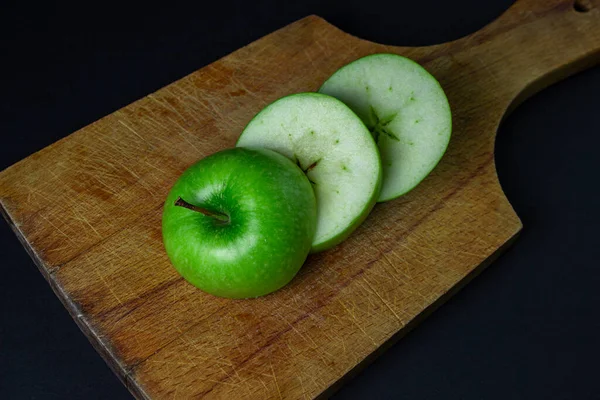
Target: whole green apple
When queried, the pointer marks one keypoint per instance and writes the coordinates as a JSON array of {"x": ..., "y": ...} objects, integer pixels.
[{"x": 240, "y": 223}]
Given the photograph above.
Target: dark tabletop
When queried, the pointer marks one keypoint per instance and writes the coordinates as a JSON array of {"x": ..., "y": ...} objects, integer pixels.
[{"x": 527, "y": 327}]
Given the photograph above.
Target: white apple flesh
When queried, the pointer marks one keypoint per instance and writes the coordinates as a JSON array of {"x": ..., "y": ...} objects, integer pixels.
[
  {"x": 406, "y": 111},
  {"x": 336, "y": 151}
]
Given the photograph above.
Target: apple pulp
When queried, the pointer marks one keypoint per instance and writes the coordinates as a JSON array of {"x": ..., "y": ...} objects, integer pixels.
[
  {"x": 335, "y": 150},
  {"x": 405, "y": 109}
]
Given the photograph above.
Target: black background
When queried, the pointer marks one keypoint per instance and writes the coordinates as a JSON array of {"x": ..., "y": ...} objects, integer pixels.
[{"x": 527, "y": 327}]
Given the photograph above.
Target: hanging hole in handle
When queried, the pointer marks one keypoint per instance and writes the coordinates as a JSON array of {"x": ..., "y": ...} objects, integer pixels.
[{"x": 582, "y": 6}]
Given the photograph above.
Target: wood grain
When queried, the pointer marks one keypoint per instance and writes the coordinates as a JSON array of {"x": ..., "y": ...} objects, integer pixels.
[{"x": 88, "y": 210}]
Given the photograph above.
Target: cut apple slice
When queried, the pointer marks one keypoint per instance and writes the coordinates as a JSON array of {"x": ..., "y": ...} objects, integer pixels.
[
  {"x": 405, "y": 109},
  {"x": 335, "y": 150}
]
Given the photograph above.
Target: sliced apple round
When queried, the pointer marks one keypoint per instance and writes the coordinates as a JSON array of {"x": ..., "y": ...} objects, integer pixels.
[
  {"x": 405, "y": 109},
  {"x": 335, "y": 150}
]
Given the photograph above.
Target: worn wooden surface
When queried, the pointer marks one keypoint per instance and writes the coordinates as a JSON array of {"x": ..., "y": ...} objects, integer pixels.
[{"x": 88, "y": 210}]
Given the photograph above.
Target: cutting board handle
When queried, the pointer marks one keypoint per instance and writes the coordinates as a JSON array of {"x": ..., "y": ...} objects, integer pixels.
[{"x": 541, "y": 42}]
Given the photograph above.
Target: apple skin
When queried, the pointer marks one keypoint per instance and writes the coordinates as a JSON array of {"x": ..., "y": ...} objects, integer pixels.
[{"x": 272, "y": 220}]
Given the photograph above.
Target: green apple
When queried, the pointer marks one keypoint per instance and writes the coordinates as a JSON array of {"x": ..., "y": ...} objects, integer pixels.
[
  {"x": 405, "y": 109},
  {"x": 335, "y": 150},
  {"x": 240, "y": 223}
]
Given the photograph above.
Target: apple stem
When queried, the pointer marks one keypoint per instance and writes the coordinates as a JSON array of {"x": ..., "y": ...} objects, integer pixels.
[
  {"x": 216, "y": 215},
  {"x": 311, "y": 166}
]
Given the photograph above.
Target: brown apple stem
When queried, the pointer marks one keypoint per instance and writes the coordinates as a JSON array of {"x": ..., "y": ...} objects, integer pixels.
[
  {"x": 216, "y": 215},
  {"x": 311, "y": 166}
]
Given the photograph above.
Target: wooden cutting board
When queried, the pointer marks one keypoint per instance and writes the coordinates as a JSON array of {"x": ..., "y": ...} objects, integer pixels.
[{"x": 88, "y": 210}]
